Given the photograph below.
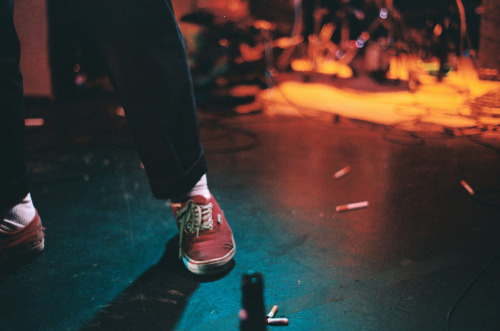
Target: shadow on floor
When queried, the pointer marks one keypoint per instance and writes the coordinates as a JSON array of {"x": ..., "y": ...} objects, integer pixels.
[
  {"x": 155, "y": 300},
  {"x": 12, "y": 268}
]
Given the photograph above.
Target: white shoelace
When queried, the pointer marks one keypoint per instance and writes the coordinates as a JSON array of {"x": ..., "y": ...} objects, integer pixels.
[{"x": 194, "y": 218}]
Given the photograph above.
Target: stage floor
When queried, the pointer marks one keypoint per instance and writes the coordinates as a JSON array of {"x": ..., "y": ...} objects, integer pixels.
[{"x": 422, "y": 250}]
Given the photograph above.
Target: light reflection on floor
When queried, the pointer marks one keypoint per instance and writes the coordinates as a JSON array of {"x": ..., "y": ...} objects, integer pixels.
[{"x": 452, "y": 103}]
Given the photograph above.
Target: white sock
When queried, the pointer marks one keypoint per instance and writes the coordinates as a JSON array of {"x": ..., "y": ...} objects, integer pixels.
[
  {"x": 201, "y": 188},
  {"x": 18, "y": 216}
]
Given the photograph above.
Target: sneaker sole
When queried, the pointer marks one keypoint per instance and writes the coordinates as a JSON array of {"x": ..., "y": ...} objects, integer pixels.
[
  {"x": 210, "y": 267},
  {"x": 22, "y": 255}
]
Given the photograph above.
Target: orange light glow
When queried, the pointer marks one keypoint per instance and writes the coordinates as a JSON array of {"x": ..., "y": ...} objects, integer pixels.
[
  {"x": 438, "y": 30},
  {"x": 224, "y": 42},
  {"x": 326, "y": 67},
  {"x": 442, "y": 103}
]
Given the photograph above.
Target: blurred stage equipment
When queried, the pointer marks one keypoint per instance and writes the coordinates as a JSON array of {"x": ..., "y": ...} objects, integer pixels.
[
  {"x": 489, "y": 45},
  {"x": 326, "y": 30},
  {"x": 30, "y": 17},
  {"x": 392, "y": 49}
]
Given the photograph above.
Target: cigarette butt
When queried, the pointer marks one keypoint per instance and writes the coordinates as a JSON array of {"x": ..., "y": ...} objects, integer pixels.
[
  {"x": 120, "y": 111},
  {"x": 352, "y": 206},
  {"x": 342, "y": 172},
  {"x": 467, "y": 187},
  {"x": 277, "y": 321},
  {"x": 34, "y": 122},
  {"x": 273, "y": 311}
]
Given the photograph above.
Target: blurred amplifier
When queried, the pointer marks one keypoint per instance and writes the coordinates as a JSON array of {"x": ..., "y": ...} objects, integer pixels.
[{"x": 30, "y": 17}]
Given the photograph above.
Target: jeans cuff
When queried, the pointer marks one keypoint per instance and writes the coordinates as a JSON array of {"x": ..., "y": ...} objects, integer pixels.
[
  {"x": 12, "y": 192},
  {"x": 180, "y": 186}
]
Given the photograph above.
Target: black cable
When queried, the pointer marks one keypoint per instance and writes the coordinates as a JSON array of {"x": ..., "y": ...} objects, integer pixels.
[
  {"x": 403, "y": 138},
  {"x": 484, "y": 144},
  {"x": 476, "y": 196},
  {"x": 466, "y": 290},
  {"x": 216, "y": 124},
  {"x": 480, "y": 196},
  {"x": 265, "y": 121}
]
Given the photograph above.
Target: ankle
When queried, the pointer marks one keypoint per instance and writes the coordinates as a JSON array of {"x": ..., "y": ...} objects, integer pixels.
[
  {"x": 199, "y": 189},
  {"x": 18, "y": 216}
]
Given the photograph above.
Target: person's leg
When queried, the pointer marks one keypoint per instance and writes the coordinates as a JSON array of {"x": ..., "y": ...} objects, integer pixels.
[
  {"x": 143, "y": 49},
  {"x": 21, "y": 232},
  {"x": 144, "y": 52},
  {"x": 13, "y": 167}
]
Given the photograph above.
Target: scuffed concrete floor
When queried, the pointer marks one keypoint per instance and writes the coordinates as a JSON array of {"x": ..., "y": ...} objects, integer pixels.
[{"x": 423, "y": 248}]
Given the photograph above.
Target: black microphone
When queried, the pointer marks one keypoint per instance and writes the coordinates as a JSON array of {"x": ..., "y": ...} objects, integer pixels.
[{"x": 252, "y": 312}]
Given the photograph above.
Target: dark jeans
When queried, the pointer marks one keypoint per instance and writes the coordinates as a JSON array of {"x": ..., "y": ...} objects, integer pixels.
[{"x": 140, "y": 45}]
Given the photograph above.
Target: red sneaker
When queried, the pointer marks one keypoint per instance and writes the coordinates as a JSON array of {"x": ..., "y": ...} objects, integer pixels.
[
  {"x": 23, "y": 243},
  {"x": 206, "y": 243}
]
